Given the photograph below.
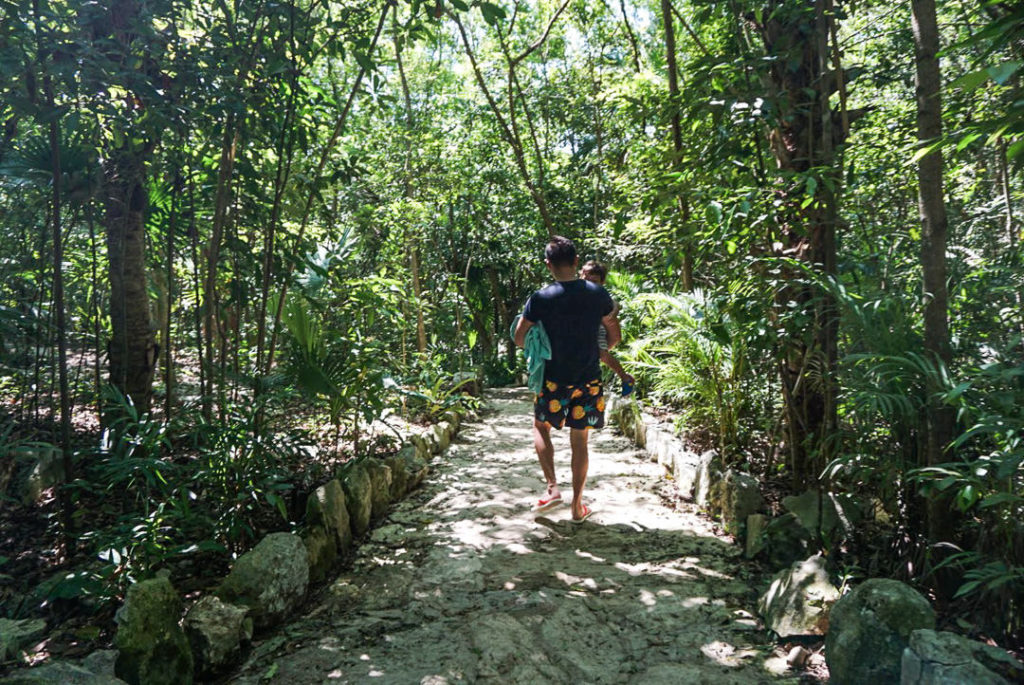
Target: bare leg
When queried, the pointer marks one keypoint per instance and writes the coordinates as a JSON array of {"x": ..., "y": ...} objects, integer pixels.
[
  {"x": 580, "y": 462},
  {"x": 612, "y": 363},
  {"x": 545, "y": 452}
]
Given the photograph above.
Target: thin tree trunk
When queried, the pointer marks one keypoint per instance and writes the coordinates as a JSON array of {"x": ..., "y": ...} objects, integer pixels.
[
  {"x": 58, "y": 306},
  {"x": 677, "y": 138},
  {"x": 932, "y": 207}
]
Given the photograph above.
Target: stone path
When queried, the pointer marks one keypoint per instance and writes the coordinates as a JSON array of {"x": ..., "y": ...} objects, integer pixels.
[{"x": 462, "y": 583}]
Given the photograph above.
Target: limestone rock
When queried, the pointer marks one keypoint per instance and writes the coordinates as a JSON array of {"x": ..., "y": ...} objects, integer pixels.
[
  {"x": 870, "y": 627},
  {"x": 16, "y": 635},
  {"x": 399, "y": 477},
  {"x": 684, "y": 469},
  {"x": 358, "y": 498},
  {"x": 441, "y": 437},
  {"x": 785, "y": 541},
  {"x": 321, "y": 551},
  {"x": 416, "y": 466},
  {"x": 740, "y": 496},
  {"x": 709, "y": 468},
  {"x": 422, "y": 446},
  {"x": 326, "y": 507},
  {"x": 218, "y": 633},
  {"x": 60, "y": 673},
  {"x": 270, "y": 579},
  {"x": 380, "y": 488},
  {"x": 754, "y": 540},
  {"x": 151, "y": 645},
  {"x": 799, "y": 599},
  {"x": 941, "y": 658}
]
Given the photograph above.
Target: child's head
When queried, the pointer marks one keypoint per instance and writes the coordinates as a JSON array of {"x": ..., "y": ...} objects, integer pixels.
[{"x": 594, "y": 271}]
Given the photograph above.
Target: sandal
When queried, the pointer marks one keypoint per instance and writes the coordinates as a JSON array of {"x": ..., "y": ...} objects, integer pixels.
[
  {"x": 548, "y": 501},
  {"x": 587, "y": 511}
]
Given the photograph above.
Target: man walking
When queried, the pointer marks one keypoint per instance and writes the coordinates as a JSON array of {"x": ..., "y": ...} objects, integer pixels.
[{"x": 571, "y": 311}]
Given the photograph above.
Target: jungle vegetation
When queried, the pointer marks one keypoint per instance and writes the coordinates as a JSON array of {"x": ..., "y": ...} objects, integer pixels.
[{"x": 236, "y": 236}]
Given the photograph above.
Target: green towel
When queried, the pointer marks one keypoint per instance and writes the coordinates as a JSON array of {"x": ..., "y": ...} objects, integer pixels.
[{"x": 537, "y": 349}]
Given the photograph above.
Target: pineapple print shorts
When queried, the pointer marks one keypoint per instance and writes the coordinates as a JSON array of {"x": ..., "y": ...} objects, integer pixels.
[{"x": 579, "y": 406}]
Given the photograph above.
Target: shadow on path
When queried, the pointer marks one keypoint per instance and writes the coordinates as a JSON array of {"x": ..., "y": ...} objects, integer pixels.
[{"x": 463, "y": 583}]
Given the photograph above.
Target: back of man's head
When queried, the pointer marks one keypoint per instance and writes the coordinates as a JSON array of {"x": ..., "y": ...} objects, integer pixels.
[{"x": 560, "y": 252}]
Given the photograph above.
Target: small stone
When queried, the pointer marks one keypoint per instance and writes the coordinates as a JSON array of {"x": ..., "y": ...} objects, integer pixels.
[
  {"x": 399, "y": 477},
  {"x": 755, "y": 535},
  {"x": 217, "y": 632},
  {"x": 326, "y": 507},
  {"x": 797, "y": 658},
  {"x": 740, "y": 496},
  {"x": 321, "y": 552},
  {"x": 358, "y": 498},
  {"x": 380, "y": 488},
  {"x": 709, "y": 467}
]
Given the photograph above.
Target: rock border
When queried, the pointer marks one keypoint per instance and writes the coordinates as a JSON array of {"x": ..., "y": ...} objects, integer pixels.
[{"x": 267, "y": 583}]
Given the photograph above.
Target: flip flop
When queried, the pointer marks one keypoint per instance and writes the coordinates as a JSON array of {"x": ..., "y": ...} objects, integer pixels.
[
  {"x": 587, "y": 511},
  {"x": 547, "y": 502}
]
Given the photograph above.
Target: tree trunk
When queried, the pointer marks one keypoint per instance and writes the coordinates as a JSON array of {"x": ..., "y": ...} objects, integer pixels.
[
  {"x": 133, "y": 350},
  {"x": 803, "y": 142},
  {"x": 932, "y": 207},
  {"x": 677, "y": 138}
]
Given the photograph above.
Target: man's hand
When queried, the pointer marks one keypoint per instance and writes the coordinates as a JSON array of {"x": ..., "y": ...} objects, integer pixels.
[
  {"x": 611, "y": 324},
  {"x": 520, "y": 335}
]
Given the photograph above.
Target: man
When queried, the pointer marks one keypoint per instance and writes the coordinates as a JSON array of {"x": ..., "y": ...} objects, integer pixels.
[{"x": 571, "y": 310}]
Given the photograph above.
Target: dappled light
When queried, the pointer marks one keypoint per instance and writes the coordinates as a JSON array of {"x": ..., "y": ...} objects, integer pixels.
[{"x": 464, "y": 580}]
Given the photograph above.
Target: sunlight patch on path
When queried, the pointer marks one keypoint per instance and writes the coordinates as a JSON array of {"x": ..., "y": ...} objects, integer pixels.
[{"x": 463, "y": 582}]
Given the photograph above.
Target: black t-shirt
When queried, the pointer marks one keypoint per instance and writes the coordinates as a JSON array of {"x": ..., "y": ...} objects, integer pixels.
[{"x": 571, "y": 312}]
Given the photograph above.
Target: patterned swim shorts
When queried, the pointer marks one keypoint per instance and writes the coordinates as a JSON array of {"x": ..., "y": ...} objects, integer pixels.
[{"x": 579, "y": 406}]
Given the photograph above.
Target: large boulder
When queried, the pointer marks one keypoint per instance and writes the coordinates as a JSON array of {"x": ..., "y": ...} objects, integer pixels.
[
  {"x": 270, "y": 579},
  {"x": 739, "y": 497},
  {"x": 934, "y": 658},
  {"x": 358, "y": 498},
  {"x": 151, "y": 646},
  {"x": 754, "y": 539},
  {"x": 217, "y": 633},
  {"x": 380, "y": 488},
  {"x": 870, "y": 627},
  {"x": 16, "y": 635},
  {"x": 799, "y": 599},
  {"x": 326, "y": 507}
]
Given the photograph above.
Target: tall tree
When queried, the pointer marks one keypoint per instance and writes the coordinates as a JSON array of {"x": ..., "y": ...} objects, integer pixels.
[
  {"x": 129, "y": 143},
  {"x": 932, "y": 208}
]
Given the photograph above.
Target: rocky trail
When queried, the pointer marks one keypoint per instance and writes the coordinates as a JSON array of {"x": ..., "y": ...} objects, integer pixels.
[{"x": 463, "y": 583}]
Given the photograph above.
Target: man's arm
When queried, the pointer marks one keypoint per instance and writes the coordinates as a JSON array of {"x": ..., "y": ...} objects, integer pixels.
[
  {"x": 520, "y": 335},
  {"x": 611, "y": 325}
]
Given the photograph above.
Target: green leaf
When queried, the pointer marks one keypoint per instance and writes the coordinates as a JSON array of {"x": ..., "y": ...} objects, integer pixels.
[
  {"x": 492, "y": 13},
  {"x": 460, "y": 5},
  {"x": 1003, "y": 72},
  {"x": 971, "y": 80}
]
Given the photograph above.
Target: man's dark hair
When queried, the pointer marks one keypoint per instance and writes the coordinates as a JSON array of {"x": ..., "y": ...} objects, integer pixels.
[
  {"x": 560, "y": 251},
  {"x": 596, "y": 268}
]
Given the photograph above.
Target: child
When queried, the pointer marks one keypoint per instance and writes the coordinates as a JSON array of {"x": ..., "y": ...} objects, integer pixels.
[{"x": 597, "y": 273}]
